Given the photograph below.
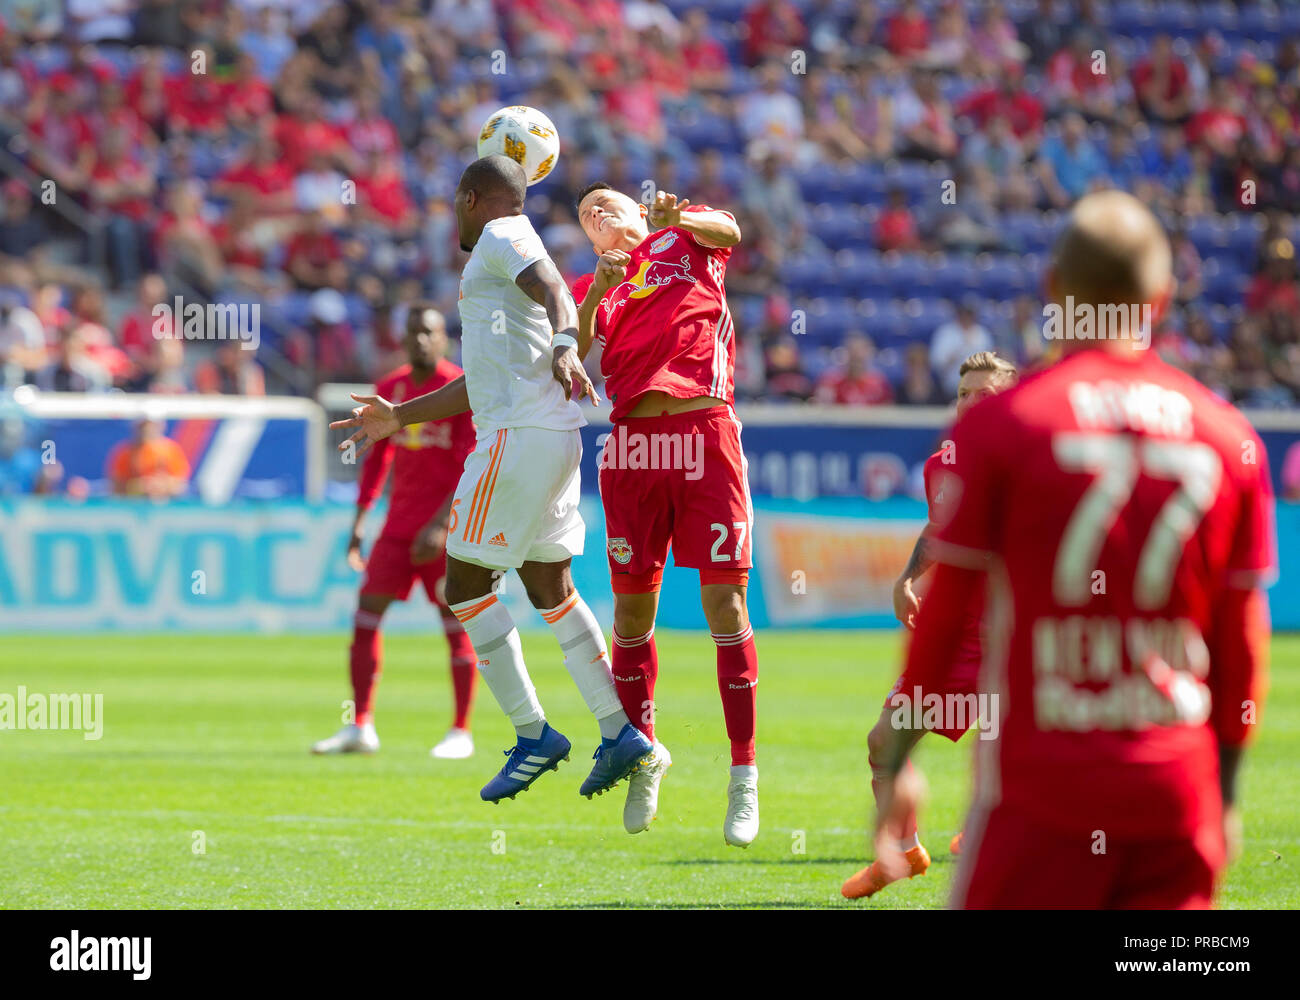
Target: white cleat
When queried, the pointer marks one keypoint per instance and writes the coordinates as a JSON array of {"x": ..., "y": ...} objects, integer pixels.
[
  {"x": 350, "y": 739},
  {"x": 741, "y": 825},
  {"x": 456, "y": 745},
  {"x": 642, "y": 803}
]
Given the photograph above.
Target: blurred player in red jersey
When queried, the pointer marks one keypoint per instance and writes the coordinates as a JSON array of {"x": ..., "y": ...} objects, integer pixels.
[
  {"x": 672, "y": 471},
  {"x": 983, "y": 374},
  {"x": 426, "y": 460},
  {"x": 1122, "y": 517}
]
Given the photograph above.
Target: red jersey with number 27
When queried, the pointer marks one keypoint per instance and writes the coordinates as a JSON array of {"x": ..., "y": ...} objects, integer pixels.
[
  {"x": 426, "y": 458},
  {"x": 1114, "y": 500},
  {"x": 667, "y": 327}
]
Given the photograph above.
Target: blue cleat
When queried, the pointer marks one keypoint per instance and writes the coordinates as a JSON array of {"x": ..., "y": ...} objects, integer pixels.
[
  {"x": 528, "y": 761},
  {"x": 616, "y": 759}
]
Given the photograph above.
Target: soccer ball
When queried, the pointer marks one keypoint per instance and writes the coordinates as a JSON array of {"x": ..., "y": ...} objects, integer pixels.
[{"x": 525, "y": 135}]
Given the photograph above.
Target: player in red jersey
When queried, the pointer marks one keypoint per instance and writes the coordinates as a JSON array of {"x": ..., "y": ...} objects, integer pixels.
[
  {"x": 1122, "y": 516},
  {"x": 982, "y": 375},
  {"x": 426, "y": 460},
  {"x": 672, "y": 471}
]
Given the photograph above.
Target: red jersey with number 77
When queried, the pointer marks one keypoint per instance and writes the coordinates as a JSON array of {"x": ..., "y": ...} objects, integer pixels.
[
  {"x": 667, "y": 327},
  {"x": 1114, "y": 500}
]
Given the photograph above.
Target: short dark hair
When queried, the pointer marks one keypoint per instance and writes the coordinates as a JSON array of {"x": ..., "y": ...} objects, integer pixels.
[
  {"x": 496, "y": 175},
  {"x": 415, "y": 315},
  {"x": 593, "y": 186}
]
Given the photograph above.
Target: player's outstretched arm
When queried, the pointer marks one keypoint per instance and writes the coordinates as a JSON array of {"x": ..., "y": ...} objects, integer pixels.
[
  {"x": 542, "y": 283},
  {"x": 378, "y": 418},
  {"x": 713, "y": 228},
  {"x": 451, "y": 399}
]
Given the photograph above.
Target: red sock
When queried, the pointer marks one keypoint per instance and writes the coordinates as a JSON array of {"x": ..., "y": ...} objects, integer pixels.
[
  {"x": 909, "y": 824},
  {"x": 635, "y": 665},
  {"x": 464, "y": 668},
  {"x": 737, "y": 680},
  {"x": 365, "y": 662}
]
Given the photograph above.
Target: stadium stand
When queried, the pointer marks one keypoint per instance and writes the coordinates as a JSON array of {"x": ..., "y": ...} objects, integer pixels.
[{"x": 888, "y": 161}]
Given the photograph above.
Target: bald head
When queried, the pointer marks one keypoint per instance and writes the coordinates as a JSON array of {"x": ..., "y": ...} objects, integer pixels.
[
  {"x": 1113, "y": 252},
  {"x": 496, "y": 177},
  {"x": 490, "y": 188}
]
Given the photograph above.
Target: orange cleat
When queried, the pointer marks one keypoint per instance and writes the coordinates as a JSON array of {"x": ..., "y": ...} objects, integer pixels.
[
  {"x": 872, "y": 878},
  {"x": 955, "y": 847}
]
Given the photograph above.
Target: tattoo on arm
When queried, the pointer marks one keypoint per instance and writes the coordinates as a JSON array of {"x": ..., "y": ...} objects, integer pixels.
[{"x": 920, "y": 560}]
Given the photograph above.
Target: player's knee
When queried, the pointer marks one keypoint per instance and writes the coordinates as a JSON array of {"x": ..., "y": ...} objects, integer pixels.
[
  {"x": 375, "y": 604},
  {"x": 724, "y": 607},
  {"x": 876, "y": 741},
  {"x": 634, "y": 614},
  {"x": 546, "y": 592}
]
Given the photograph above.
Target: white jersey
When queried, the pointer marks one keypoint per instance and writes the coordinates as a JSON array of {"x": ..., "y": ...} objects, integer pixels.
[{"x": 506, "y": 336}]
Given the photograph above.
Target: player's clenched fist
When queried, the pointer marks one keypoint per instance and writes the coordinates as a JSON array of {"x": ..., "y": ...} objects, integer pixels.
[
  {"x": 665, "y": 211},
  {"x": 611, "y": 269},
  {"x": 376, "y": 417}
]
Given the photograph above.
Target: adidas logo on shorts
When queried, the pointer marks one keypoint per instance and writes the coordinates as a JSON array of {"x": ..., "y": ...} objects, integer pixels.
[{"x": 498, "y": 539}]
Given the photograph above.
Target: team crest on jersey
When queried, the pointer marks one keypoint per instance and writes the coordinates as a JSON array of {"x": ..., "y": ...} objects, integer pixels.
[
  {"x": 620, "y": 551},
  {"x": 663, "y": 243},
  {"x": 650, "y": 275}
]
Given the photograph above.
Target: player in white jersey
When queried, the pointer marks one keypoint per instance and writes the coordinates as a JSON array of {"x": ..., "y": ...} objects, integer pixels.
[{"x": 516, "y": 506}]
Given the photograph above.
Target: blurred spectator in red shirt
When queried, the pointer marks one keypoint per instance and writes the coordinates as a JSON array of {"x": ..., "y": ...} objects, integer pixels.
[
  {"x": 706, "y": 59},
  {"x": 1274, "y": 288},
  {"x": 771, "y": 29},
  {"x": 187, "y": 252},
  {"x": 381, "y": 195},
  {"x": 1010, "y": 100},
  {"x": 907, "y": 33},
  {"x": 140, "y": 327},
  {"x": 314, "y": 257},
  {"x": 860, "y": 383},
  {"x": 1161, "y": 83},
  {"x": 896, "y": 228},
  {"x": 1221, "y": 123},
  {"x": 265, "y": 173}
]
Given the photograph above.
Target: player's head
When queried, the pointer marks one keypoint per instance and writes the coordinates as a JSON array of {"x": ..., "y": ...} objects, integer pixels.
[
  {"x": 1113, "y": 254},
  {"x": 611, "y": 220},
  {"x": 490, "y": 188},
  {"x": 983, "y": 374},
  {"x": 426, "y": 335}
]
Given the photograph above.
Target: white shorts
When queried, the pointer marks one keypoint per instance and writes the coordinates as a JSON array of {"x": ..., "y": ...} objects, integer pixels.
[{"x": 517, "y": 500}]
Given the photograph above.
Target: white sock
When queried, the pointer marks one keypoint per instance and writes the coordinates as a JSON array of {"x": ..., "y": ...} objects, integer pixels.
[
  {"x": 587, "y": 660},
  {"x": 501, "y": 661}
]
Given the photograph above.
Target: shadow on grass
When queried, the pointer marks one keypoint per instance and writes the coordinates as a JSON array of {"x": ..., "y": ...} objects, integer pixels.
[
  {"x": 639, "y": 904},
  {"x": 765, "y": 861}
]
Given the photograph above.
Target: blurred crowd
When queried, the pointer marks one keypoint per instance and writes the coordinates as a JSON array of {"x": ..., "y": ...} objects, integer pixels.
[{"x": 302, "y": 156}]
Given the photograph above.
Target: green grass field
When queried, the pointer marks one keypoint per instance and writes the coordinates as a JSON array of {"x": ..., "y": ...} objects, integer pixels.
[{"x": 205, "y": 740}]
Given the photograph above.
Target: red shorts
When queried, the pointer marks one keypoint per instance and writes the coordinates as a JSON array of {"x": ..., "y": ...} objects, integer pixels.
[
  {"x": 1010, "y": 862},
  {"x": 389, "y": 570},
  {"x": 681, "y": 480},
  {"x": 963, "y": 679}
]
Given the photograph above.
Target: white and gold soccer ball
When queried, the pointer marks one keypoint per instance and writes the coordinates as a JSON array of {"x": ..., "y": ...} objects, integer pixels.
[{"x": 525, "y": 135}]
